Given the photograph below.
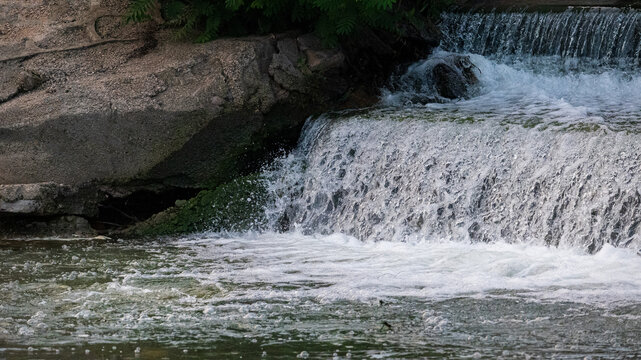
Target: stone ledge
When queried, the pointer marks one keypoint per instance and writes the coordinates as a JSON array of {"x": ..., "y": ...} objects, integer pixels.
[{"x": 45, "y": 199}]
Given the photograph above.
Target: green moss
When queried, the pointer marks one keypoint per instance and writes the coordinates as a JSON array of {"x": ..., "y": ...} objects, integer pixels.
[
  {"x": 583, "y": 127},
  {"x": 532, "y": 123},
  {"x": 465, "y": 120},
  {"x": 235, "y": 206}
]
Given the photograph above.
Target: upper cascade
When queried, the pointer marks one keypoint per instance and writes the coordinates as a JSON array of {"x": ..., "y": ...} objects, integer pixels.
[{"x": 603, "y": 34}]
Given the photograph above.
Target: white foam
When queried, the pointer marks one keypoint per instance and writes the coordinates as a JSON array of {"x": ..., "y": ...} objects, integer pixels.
[
  {"x": 545, "y": 92},
  {"x": 336, "y": 267}
]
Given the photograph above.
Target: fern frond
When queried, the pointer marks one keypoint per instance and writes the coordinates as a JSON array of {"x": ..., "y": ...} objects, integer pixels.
[
  {"x": 331, "y": 19},
  {"x": 139, "y": 11}
]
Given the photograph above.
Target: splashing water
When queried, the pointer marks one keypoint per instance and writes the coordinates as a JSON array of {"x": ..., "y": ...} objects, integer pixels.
[
  {"x": 522, "y": 95},
  {"x": 380, "y": 178},
  {"x": 578, "y": 67}
]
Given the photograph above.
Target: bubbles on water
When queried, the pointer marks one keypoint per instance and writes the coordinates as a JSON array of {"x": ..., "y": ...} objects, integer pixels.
[{"x": 292, "y": 284}]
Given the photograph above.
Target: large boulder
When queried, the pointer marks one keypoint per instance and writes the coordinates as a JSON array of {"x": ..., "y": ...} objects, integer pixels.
[{"x": 93, "y": 110}]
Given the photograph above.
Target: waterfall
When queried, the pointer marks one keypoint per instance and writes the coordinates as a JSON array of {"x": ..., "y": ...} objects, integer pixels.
[
  {"x": 383, "y": 178},
  {"x": 538, "y": 154},
  {"x": 606, "y": 35}
]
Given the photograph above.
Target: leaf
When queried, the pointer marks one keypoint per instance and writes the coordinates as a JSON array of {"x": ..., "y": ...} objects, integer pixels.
[
  {"x": 139, "y": 11},
  {"x": 211, "y": 30},
  {"x": 173, "y": 9},
  {"x": 345, "y": 24},
  {"x": 234, "y": 5}
]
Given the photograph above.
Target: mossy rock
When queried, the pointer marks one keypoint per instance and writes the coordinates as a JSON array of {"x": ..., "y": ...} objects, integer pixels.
[{"x": 235, "y": 206}]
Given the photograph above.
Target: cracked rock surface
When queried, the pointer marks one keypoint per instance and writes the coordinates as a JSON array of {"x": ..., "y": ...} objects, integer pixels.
[
  {"x": 86, "y": 98},
  {"x": 87, "y": 102}
]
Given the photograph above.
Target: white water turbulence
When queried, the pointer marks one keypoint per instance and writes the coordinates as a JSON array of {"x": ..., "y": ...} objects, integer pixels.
[
  {"x": 578, "y": 68},
  {"x": 212, "y": 296},
  {"x": 544, "y": 95},
  {"x": 382, "y": 177}
]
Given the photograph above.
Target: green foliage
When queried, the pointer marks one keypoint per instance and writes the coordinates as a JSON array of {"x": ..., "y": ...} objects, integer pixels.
[
  {"x": 139, "y": 10},
  {"x": 205, "y": 20}
]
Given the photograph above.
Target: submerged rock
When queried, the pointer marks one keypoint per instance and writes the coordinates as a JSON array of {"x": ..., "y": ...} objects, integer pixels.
[
  {"x": 440, "y": 78},
  {"x": 45, "y": 199},
  {"x": 454, "y": 77}
]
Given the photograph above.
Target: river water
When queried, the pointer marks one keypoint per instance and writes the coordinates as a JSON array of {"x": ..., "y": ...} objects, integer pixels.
[{"x": 501, "y": 225}]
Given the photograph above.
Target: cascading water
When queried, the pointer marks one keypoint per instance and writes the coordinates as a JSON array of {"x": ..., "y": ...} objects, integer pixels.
[
  {"x": 504, "y": 224},
  {"x": 602, "y": 34},
  {"x": 540, "y": 154},
  {"x": 381, "y": 178}
]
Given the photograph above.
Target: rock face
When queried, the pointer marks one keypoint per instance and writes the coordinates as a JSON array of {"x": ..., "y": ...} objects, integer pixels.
[
  {"x": 46, "y": 199},
  {"x": 92, "y": 109}
]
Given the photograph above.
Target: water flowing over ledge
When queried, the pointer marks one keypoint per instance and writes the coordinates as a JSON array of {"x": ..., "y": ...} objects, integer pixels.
[
  {"x": 420, "y": 178},
  {"x": 542, "y": 152},
  {"x": 605, "y": 35}
]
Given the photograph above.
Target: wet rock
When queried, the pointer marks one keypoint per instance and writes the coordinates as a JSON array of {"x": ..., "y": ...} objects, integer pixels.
[
  {"x": 234, "y": 206},
  {"x": 454, "y": 77},
  {"x": 49, "y": 227},
  {"x": 46, "y": 199}
]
